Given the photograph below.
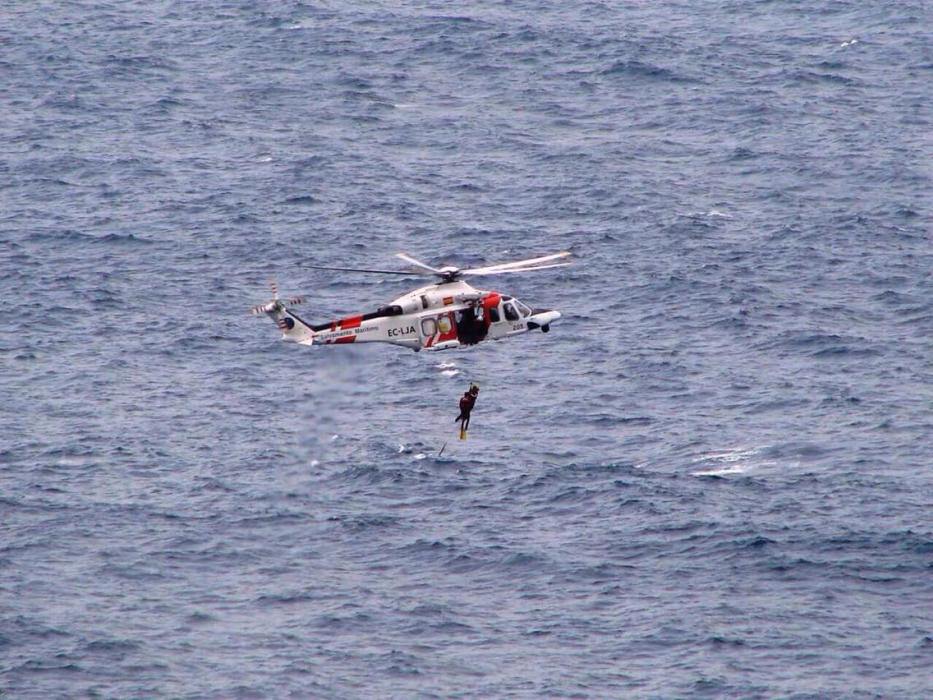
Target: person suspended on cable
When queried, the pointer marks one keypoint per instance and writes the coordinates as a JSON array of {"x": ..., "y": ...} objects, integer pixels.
[{"x": 467, "y": 401}]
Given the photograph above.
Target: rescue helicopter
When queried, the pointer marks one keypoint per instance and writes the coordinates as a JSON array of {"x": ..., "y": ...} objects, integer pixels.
[{"x": 446, "y": 314}]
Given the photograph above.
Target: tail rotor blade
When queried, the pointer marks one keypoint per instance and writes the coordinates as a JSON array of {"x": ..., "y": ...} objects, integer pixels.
[{"x": 276, "y": 303}]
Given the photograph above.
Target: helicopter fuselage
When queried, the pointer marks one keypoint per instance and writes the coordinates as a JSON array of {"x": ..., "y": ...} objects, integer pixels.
[{"x": 434, "y": 317}]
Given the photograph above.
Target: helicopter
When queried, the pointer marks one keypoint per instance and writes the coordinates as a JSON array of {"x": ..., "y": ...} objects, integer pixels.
[{"x": 440, "y": 316}]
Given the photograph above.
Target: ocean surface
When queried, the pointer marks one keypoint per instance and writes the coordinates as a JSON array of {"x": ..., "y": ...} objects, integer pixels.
[{"x": 713, "y": 477}]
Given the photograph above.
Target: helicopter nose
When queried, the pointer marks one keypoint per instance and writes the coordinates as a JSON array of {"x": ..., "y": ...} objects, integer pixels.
[
  {"x": 552, "y": 313},
  {"x": 543, "y": 318}
]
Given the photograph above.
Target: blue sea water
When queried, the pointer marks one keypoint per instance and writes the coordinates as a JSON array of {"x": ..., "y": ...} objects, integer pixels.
[{"x": 712, "y": 479}]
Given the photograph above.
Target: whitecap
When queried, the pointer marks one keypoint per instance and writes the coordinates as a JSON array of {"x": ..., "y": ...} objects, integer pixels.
[
  {"x": 737, "y": 460},
  {"x": 723, "y": 471},
  {"x": 733, "y": 455},
  {"x": 71, "y": 462}
]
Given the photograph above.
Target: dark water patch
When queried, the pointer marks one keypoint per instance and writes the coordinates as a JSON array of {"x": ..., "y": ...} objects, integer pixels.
[
  {"x": 70, "y": 236},
  {"x": 572, "y": 495},
  {"x": 300, "y": 200},
  {"x": 397, "y": 663},
  {"x": 363, "y": 523},
  {"x": 111, "y": 647},
  {"x": 272, "y": 519},
  {"x": 139, "y": 572},
  {"x": 794, "y": 78},
  {"x": 200, "y": 618},
  {"x": 140, "y": 65},
  {"x": 741, "y": 153},
  {"x": 346, "y": 623},
  {"x": 822, "y": 345},
  {"x": 799, "y": 450},
  {"x": 371, "y": 474},
  {"x": 568, "y": 475},
  {"x": 892, "y": 297},
  {"x": 595, "y": 573},
  {"x": 276, "y": 599},
  {"x": 718, "y": 642},
  {"x": 646, "y": 71},
  {"x": 36, "y": 666},
  {"x": 908, "y": 540}
]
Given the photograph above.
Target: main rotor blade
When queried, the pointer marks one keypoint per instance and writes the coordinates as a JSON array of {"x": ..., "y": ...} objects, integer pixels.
[
  {"x": 360, "y": 269},
  {"x": 531, "y": 262},
  {"x": 418, "y": 263},
  {"x": 482, "y": 271}
]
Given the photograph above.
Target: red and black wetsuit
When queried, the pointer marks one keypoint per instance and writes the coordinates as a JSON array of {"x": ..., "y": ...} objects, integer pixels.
[{"x": 466, "y": 405}]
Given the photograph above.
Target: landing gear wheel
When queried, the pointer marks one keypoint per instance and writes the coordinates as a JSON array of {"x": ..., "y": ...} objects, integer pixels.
[{"x": 545, "y": 328}]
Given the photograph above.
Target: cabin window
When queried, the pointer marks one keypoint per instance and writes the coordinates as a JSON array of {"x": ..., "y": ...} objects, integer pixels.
[
  {"x": 443, "y": 323},
  {"x": 428, "y": 327},
  {"x": 493, "y": 314},
  {"x": 394, "y": 310},
  {"x": 510, "y": 313}
]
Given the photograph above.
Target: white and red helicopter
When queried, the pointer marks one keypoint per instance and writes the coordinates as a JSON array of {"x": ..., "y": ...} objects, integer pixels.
[{"x": 447, "y": 314}]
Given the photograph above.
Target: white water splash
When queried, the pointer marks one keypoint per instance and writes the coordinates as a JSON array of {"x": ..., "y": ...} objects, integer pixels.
[
  {"x": 723, "y": 471},
  {"x": 739, "y": 460}
]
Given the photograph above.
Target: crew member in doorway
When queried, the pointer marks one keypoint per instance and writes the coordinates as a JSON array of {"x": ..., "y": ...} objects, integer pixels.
[
  {"x": 470, "y": 326},
  {"x": 467, "y": 402}
]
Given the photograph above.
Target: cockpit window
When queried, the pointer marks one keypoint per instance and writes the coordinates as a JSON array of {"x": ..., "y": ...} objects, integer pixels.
[
  {"x": 493, "y": 314},
  {"x": 522, "y": 309},
  {"x": 510, "y": 313}
]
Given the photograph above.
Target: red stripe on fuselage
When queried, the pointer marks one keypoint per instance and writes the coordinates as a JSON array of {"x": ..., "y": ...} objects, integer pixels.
[{"x": 351, "y": 321}]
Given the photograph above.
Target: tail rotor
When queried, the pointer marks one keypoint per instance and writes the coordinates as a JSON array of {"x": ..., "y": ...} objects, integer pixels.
[{"x": 276, "y": 304}]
